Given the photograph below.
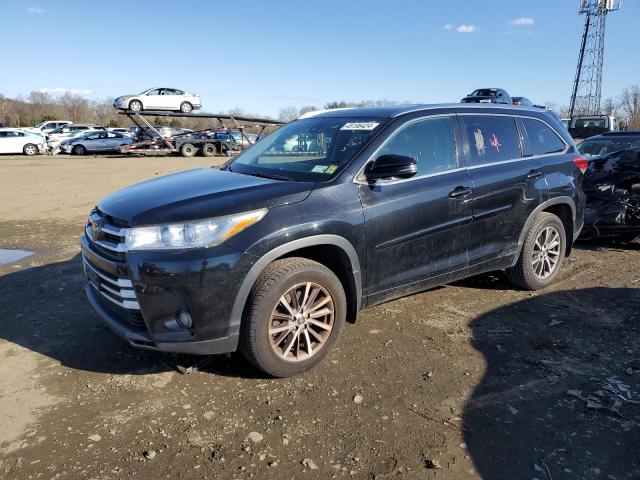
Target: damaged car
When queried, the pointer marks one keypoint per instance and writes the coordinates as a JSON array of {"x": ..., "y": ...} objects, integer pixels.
[{"x": 612, "y": 186}]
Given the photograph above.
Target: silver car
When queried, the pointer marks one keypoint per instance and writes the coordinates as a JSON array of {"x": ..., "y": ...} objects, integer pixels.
[
  {"x": 96, "y": 141},
  {"x": 159, "y": 99}
]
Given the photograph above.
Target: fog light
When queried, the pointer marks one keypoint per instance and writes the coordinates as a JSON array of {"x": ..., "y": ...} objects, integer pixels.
[{"x": 183, "y": 319}]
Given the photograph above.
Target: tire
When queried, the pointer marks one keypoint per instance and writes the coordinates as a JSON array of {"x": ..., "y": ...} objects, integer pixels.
[
  {"x": 525, "y": 273},
  {"x": 135, "y": 106},
  {"x": 186, "y": 107},
  {"x": 30, "y": 149},
  {"x": 300, "y": 349},
  {"x": 209, "y": 150},
  {"x": 188, "y": 150},
  {"x": 79, "y": 150}
]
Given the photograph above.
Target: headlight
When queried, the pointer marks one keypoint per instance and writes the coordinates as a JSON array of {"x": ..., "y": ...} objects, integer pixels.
[{"x": 198, "y": 234}]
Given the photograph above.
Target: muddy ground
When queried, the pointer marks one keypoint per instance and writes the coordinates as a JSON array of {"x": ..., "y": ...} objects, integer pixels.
[{"x": 477, "y": 378}]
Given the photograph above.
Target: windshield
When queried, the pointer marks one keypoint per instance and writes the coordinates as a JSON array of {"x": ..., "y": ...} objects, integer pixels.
[
  {"x": 484, "y": 92},
  {"x": 311, "y": 149},
  {"x": 593, "y": 148}
]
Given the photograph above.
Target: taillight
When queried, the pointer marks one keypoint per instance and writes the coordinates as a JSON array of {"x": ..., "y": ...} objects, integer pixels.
[{"x": 581, "y": 163}]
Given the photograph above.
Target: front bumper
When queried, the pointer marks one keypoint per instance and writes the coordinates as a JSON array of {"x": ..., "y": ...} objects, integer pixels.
[{"x": 155, "y": 286}]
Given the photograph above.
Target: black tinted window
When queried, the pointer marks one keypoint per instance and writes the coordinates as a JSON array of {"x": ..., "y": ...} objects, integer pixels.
[
  {"x": 430, "y": 142},
  {"x": 491, "y": 138},
  {"x": 543, "y": 140}
]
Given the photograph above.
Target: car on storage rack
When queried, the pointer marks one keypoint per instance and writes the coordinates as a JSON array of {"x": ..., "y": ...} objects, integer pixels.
[
  {"x": 95, "y": 141},
  {"x": 275, "y": 251},
  {"x": 488, "y": 95},
  {"x": 16, "y": 140},
  {"x": 159, "y": 99}
]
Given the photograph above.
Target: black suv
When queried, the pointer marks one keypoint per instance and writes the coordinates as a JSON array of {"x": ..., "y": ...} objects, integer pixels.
[
  {"x": 488, "y": 95},
  {"x": 332, "y": 213}
]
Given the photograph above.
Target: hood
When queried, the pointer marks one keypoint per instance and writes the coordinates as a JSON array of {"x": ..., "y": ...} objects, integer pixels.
[{"x": 197, "y": 194}]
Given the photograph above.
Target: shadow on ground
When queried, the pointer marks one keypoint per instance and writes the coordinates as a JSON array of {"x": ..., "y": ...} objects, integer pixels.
[
  {"x": 521, "y": 422},
  {"x": 45, "y": 310}
]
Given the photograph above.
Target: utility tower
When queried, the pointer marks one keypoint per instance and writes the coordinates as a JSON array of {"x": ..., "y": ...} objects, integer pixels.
[{"x": 585, "y": 98}]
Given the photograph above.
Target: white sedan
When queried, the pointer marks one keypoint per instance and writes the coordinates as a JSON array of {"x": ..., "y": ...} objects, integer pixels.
[
  {"x": 159, "y": 99},
  {"x": 14, "y": 140}
]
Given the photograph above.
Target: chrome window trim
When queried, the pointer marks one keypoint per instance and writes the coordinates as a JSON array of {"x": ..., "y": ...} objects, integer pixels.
[{"x": 363, "y": 181}]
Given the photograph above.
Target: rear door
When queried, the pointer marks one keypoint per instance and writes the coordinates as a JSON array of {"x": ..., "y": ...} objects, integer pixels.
[
  {"x": 416, "y": 228},
  {"x": 507, "y": 186}
]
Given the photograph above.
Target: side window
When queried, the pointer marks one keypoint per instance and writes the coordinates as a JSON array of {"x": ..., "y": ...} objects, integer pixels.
[
  {"x": 431, "y": 142},
  {"x": 543, "y": 140},
  {"x": 154, "y": 92},
  {"x": 491, "y": 138},
  {"x": 178, "y": 92}
]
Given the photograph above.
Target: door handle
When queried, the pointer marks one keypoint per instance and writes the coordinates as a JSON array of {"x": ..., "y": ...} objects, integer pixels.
[
  {"x": 460, "y": 192},
  {"x": 533, "y": 175}
]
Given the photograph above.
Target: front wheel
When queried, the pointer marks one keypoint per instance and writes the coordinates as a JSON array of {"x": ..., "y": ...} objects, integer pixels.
[
  {"x": 186, "y": 107},
  {"x": 30, "y": 149},
  {"x": 135, "y": 106},
  {"x": 296, "y": 310},
  {"x": 79, "y": 150},
  {"x": 542, "y": 253}
]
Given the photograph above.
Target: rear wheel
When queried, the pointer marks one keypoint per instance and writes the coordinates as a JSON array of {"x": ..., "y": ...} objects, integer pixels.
[
  {"x": 186, "y": 107},
  {"x": 135, "y": 105},
  {"x": 188, "y": 150},
  {"x": 542, "y": 253},
  {"x": 30, "y": 149},
  {"x": 295, "y": 313},
  {"x": 79, "y": 150},
  {"x": 209, "y": 150}
]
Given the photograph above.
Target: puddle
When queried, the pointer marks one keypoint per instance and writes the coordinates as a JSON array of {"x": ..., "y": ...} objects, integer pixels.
[{"x": 10, "y": 256}]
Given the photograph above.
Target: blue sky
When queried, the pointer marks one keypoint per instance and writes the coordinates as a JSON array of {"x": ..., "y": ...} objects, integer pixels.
[{"x": 264, "y": 55}]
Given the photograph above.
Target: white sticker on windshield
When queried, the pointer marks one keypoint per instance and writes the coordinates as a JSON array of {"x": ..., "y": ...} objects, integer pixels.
[
  {"x": 319, "y": 169},
  {"x": 360, "y": 126}
]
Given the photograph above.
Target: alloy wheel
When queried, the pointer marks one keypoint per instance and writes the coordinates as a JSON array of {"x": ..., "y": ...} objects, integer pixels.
[
  {"x": 301, "y": 322},
  {"x": 546, "y": 252}
]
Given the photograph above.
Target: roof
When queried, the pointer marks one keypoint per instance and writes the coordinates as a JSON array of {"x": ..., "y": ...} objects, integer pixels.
[
  {"x": 631, "y": 133},
  {"x": 395, "y": 111}
]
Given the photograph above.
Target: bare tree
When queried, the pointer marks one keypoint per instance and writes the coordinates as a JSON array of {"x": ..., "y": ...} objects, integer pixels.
[
  {"x": 609, "y": 107},
  {"x": 629, "y": 103},
  {"x": 288, "y": 114},
  {"x": 75, "y": 107}
]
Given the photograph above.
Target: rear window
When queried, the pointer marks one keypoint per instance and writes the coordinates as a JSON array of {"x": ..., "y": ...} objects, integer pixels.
[
  {"x": 543, "y": 140},
  {"x": 484, "y": 92},
  {"x": 590, "y": 123},
  {"x": 491, "y": 138},
  {"x": 596, "y": 148}
]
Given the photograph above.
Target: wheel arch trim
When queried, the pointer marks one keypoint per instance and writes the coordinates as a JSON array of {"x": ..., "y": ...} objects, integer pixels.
[
  {"x": 312, "y": 241},
  {"x": 562, "y": 200}
]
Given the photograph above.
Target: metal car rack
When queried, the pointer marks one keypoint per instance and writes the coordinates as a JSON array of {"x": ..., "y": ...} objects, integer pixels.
[{"x": 159, "y": 145}]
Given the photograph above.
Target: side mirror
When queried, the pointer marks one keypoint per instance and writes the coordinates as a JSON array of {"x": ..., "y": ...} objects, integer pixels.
[{"x": 390, "y": 165}]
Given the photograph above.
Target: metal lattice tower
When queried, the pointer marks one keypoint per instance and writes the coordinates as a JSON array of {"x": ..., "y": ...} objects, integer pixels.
[{"x": 585, "y": 98}]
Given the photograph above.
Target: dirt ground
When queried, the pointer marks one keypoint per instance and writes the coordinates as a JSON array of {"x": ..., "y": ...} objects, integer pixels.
[{"x": 471, "y": 380}]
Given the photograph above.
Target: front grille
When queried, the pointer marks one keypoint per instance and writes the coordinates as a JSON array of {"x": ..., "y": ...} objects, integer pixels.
[
  {"x": 105, "y": 236},
  {"x": 116, "y": 294}
]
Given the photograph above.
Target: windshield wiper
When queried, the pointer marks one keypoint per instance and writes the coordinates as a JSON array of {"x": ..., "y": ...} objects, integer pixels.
[{"x": 271, "y": 176}]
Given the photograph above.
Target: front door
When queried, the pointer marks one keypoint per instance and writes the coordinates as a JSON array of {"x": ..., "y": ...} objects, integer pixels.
[{"x": 417, "y": 228}]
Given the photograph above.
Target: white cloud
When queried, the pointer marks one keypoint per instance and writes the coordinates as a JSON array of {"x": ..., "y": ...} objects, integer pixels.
[
  {"x": 448, "y": 26},
  {"x": 522, "y": 21},
  {"x": 62, "y": 91},
  {"x": 35, "y": 10},
  {"x": 466, "y": 29}
]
